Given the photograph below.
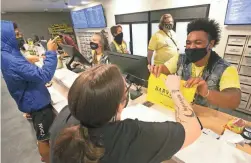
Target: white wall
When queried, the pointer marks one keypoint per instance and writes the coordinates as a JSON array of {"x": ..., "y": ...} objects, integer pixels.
[{"x": 217, "y": 12}]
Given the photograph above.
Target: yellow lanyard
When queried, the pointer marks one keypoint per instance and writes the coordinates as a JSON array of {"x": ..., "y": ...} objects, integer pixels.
[{"x": 121, "y": 48}]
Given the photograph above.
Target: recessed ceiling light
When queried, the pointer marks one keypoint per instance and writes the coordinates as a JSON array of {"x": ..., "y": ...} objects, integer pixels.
[
  {"x": 70, "y": 6},
  {"x": 84, "y": 2}
]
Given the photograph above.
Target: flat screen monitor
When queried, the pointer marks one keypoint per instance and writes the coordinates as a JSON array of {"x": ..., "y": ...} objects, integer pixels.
[
  {"x": 79, "y": 20},
  {"x": 238, "y": 12},
  {"x": 134, "y": 65},
  {"x": 95, "y": 17},
  {"x": 75, "y": 54}
]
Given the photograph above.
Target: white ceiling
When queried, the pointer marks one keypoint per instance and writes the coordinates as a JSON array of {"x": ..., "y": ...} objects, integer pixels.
[{"x": 38, "y": 5}]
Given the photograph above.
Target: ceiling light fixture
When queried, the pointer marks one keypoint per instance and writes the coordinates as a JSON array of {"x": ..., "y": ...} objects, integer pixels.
[
  {"x": 70, "y": 6},
  {"x": 84, "y": 2}
]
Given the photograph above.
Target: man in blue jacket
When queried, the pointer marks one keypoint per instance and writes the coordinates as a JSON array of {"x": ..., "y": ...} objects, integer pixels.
[{"x": 26, "y": 84}]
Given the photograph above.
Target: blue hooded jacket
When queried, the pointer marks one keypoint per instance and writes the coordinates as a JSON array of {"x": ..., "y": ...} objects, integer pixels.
[{"x": 25, "y": 81}]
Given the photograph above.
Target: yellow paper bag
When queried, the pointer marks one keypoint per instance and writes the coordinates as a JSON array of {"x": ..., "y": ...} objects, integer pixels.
[{"x": 158, "y": 93}]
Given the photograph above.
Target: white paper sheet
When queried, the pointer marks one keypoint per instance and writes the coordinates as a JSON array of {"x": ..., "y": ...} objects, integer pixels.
[
  {"x": 232, "y": 137},
  {"x": 60, "y": 105},
  {"x": 147, "y": 114},
  {"x": 209, "y": 150},
  {"x": 58, "y": 101},
  {"x": 56, "y": 97},
  {"x": 40, "y": 50},
  {"x": 66, "y": 76}
]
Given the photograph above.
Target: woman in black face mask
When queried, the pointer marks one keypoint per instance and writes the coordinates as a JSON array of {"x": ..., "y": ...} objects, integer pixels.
[
  {"x": 118, "y": 44},
  {"x": 99, "y": 44}
]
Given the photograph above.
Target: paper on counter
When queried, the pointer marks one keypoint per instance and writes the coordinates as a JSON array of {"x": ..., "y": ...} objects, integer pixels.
[
  {"x": 232, "y": 137},
  {"x": 210, "y": 133},
  {"x": 55, "y": 95},
  {"x": 60, "y": 105},
  {"x": 57, "y": 100},
  {"x": 209, "y": 150},
  {"x": 40, "y": 50},
  {"x": 66, "y": 76},
  {"x": 146, "y": 114}
]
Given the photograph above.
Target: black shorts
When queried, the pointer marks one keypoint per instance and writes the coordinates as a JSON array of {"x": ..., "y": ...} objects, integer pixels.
[{"x": 42, "y": 121}]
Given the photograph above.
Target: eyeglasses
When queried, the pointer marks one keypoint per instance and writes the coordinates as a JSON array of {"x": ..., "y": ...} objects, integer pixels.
[
  {"x": 126, "y": 92},
  {"x": 125, "y": 98},
  {"x": 128, "y": 87}
]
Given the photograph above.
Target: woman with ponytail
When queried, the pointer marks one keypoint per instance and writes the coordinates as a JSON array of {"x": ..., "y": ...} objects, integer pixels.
[
  {"x": 99, "y": 44},
  {"x": 90, "y": 129}
]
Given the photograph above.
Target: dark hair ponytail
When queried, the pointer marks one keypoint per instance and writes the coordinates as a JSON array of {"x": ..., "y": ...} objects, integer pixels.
[
  {"x": 73, "y": 145},
  {"x": 93, "y": 99}
]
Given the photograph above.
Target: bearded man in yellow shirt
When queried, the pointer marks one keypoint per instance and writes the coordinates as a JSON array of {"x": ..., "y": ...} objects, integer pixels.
[
  {"x": 218, "y": 81},
  {"x": 163, "y": 42}
]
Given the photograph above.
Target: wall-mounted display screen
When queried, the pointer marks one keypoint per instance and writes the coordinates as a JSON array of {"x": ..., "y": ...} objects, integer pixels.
[
  {"x": 238, "y": 12},
  {"x": 95, "y": 17},
  {"x": 79, "y": 19},
  {"x": 92, "y": 17}
]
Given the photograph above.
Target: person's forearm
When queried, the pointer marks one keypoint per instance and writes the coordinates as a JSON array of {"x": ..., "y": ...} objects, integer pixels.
[
  {"x": 184, "y": 112},
  {"x": 186, "y": 116},
  {"x": 149, "y": 56},
  {"x": 227, "y": 99}
]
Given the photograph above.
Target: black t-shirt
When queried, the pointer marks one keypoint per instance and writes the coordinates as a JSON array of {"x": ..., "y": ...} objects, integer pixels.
[{"x": 130, "y": 141}]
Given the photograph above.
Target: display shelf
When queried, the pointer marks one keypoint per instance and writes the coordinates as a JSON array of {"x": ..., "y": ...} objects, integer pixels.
[{"x": 238, "y": 52}]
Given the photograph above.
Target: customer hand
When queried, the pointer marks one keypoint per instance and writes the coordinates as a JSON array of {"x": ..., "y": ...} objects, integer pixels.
[
  {"x": 52, "y": 45},
  {"x": 157, "y": 70},
  {"x": 172, "y": 82},
  {"x": 32, "y": 58},
  {"x": 202, "y": 87}
]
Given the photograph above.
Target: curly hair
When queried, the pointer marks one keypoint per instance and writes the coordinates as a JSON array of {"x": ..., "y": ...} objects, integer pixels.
[{"x": 210, "y": 26}]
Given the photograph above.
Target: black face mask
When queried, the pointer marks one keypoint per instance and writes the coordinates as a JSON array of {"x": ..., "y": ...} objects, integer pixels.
[
  {"x": 196, "y": 54},
  {"x": 119, "y": 38},
  {"x": 20, "y": 43},
  {"x": 93, "y": 45},
  {"x": 168, "y": 26}
]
